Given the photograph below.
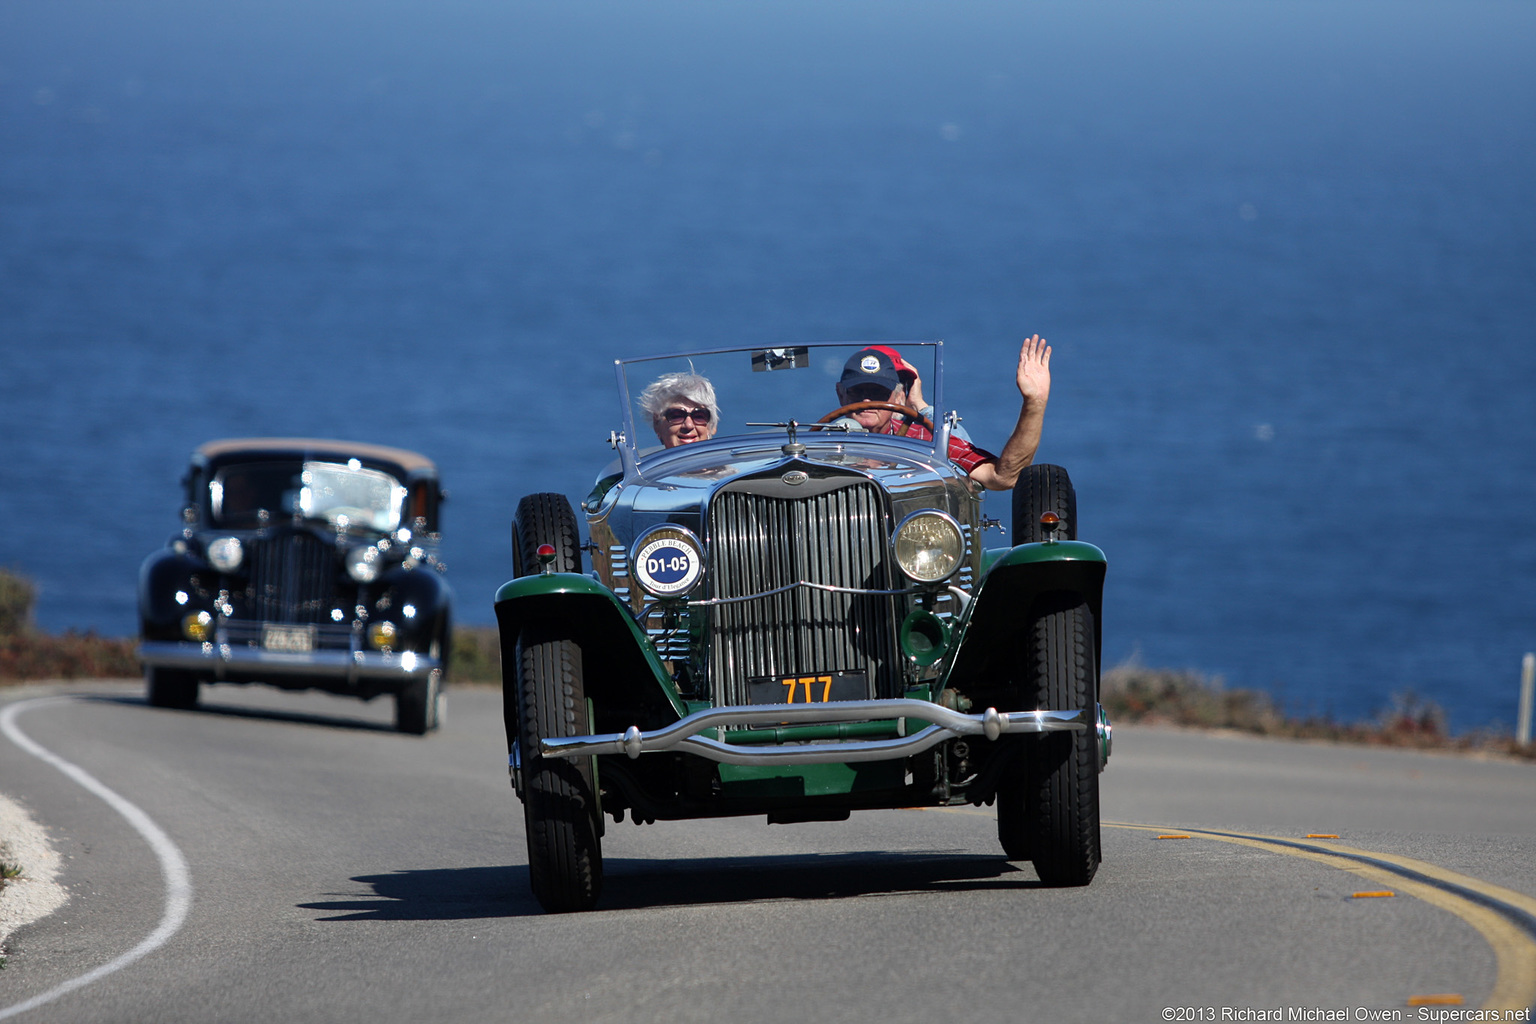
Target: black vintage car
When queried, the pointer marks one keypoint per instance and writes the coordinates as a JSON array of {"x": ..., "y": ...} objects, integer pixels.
[
  {"x": 788, "y": 617},
  {"x": 303, "y": 564}
]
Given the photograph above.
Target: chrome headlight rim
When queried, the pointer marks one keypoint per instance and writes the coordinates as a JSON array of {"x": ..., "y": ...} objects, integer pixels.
[
  {"x": 667, "y": 561},
  {"x": 225, "y": 553},
  {"x": 955, "y": 552}
]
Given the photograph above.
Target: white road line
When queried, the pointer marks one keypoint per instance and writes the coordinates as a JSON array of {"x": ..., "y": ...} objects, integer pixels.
[{"x": 178, "y": 881}]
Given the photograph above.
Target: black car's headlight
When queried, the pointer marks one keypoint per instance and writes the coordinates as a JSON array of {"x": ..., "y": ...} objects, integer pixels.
[
  {"x": 668, "y": 561},
  {"x": 225, "y": 553},
  {"x": 929, "y": 546}
]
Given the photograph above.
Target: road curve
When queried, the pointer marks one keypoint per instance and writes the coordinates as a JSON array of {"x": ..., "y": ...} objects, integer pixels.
[{"x": 342, "y": 872}]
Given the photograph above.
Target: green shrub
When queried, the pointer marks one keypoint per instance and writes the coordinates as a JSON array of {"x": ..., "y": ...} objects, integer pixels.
[{"x": 17, "y": 595}]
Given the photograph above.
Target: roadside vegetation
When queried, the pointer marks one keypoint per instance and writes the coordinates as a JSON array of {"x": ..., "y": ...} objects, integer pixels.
[
  {"x": 1131, "y": 693},
  {"x": 26, "y": 653},
  {"x": 476, "y": 655}
]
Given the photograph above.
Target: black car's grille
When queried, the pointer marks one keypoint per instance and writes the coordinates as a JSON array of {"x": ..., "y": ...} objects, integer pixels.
[
  {"x": 758, "y": 543},
  {"x": 292, "y": 578}
]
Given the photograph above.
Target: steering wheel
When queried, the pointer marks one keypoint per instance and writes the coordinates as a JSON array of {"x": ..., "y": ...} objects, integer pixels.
[{"x": 912, "y": 415}]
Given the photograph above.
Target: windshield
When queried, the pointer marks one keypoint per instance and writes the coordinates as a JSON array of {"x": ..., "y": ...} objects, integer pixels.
[
  {"x": 757, "y": 390},
  {"x": 247, "y": 495}
]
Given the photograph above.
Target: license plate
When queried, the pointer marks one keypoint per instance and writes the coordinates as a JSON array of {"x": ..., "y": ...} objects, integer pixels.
[
  {"x": 808, "y": 689},
  {"x": 288, "y": 639}
]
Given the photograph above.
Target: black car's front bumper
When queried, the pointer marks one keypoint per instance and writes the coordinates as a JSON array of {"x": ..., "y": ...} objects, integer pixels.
[{"x": 233, "y": 662}]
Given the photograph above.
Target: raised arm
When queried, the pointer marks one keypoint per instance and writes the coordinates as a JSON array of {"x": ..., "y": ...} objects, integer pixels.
[{"x": 1034, "y": 381}]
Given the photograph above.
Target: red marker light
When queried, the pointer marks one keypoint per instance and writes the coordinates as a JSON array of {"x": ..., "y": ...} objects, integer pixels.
[{"x": 546, "y": 553}]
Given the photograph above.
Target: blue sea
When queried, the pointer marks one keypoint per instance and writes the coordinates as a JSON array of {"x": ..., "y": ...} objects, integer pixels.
[{"x": 1284, "y": 250}]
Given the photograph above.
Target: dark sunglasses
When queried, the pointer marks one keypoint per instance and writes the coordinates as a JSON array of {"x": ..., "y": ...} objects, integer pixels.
[
  {"x": 676, "y": 415},
  {"x": 869, "y": 393}
]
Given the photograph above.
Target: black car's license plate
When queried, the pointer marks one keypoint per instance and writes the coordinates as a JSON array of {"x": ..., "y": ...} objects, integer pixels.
[
  {"x": 808, "y": 689},
  {"x": 288, "y": 639}
]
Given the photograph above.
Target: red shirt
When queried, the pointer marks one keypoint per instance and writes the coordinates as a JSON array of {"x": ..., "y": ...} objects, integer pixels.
[{"x": 962, "y": 453}]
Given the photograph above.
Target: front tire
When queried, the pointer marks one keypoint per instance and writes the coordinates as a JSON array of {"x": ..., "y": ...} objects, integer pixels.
[
  {"x": 1048, "y": 805},
  {"x": 170, "y": 688},
  {"x": 560, "y": 808}
]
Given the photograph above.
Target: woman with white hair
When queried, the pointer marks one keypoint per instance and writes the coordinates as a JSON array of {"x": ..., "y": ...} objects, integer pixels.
[{"x": 681, "y": 407}]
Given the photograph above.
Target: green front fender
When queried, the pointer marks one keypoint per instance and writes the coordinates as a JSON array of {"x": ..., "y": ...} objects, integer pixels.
[
  {"x": 621, "y": 670},
  {"x": 1014, "y": 580}
]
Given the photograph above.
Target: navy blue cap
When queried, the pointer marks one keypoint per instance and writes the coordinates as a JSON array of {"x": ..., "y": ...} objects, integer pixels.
[{"x": 870, "y": 366}]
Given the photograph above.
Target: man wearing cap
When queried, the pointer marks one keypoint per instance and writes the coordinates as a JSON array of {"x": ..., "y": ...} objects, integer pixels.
[{"x": 879, "y": 374}]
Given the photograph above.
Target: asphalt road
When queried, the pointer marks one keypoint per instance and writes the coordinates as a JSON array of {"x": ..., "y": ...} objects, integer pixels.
[{"x": 336, "y": 871}]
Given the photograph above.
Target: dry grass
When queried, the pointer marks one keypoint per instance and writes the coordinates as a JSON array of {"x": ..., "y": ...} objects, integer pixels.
[
  {"x": 1131, "y": 693},
  {"x": 71, "y": 656},
  {"x": 476, "y": 655}
]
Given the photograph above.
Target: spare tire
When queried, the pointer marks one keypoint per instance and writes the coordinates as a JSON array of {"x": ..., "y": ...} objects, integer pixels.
[
  {"x": 1043, "y": 488},
  {"x": 545, "y": 518}
]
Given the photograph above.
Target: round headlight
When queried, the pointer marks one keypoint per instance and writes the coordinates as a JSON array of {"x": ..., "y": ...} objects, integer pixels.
[
  {"x": 225, "y": 553},
  {"x": 668, "y": 561},
  {"x": 363, "y": 563},
  {"x": 929, "y": 546}
]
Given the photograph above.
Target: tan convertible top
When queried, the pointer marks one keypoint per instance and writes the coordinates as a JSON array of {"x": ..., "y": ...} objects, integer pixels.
[{"x": 409, "y": 461}]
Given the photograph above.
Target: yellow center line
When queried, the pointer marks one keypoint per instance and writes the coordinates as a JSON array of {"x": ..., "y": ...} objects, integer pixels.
[
  {"x": 1515, "y": 985},
  {"x": 1513, "y": 947}
]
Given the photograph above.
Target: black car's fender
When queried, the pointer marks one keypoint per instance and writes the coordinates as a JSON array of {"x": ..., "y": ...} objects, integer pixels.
[
  {"x": 164, "y": 575},
  {"x": 428, "y": 596}
]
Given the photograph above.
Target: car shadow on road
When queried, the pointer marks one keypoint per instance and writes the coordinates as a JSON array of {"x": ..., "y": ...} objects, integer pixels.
[
  {"x": 257, "y": 714},
  {"x": 434, "y": 894},
  {"x": 632, "y": 884}
]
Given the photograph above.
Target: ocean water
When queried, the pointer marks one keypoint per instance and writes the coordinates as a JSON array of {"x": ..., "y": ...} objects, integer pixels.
[{"x": 1285, "y": 254}]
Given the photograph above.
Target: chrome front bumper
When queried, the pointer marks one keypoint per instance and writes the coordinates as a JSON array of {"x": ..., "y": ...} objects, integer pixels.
[
  {"x": 229, "y": 659},
  {"x": 943, "y": 724}
]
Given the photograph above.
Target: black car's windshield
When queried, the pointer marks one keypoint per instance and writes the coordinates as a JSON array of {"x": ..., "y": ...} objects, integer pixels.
[
  {"x": 754, "y": 389},
  {"x": 247, "y": 495}
]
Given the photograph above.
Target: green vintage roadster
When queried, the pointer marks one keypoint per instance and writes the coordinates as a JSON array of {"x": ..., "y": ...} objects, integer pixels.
[{"x": 781, "y": 614}]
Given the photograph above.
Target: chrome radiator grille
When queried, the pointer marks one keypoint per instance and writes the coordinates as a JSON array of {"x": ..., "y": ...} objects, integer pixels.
[
  {"x": 292, "y": 578},
  {"x": 759, "y": 543}
]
